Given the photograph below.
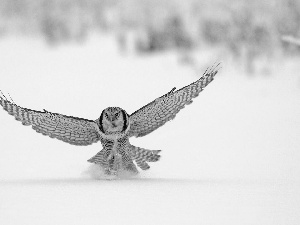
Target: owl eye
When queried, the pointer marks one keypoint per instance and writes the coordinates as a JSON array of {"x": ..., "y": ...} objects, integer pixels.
[{"x": 117, "y": 114}]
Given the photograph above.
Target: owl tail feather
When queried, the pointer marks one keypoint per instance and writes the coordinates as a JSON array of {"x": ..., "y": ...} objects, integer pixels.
[
  {"x": 142, "y": 156},
  {"x": 99, "y": 159}
]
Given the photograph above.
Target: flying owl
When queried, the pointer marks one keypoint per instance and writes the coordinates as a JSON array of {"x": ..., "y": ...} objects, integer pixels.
[{"x": 114, "y": 127}]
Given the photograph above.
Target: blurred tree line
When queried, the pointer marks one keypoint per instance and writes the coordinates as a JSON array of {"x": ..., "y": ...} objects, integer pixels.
[{"x": 244, "y": 29}]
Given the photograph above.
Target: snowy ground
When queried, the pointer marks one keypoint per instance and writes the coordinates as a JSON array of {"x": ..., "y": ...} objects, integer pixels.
[{"x": 232, "y": 157}]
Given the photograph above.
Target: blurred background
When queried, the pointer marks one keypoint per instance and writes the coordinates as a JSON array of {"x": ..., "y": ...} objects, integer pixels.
[
  {"x": 238, "y": 30},
  {"x": 231, "y": 157}
]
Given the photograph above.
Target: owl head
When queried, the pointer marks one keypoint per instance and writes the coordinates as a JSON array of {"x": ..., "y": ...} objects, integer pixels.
[{"x": 113, "y": 120}]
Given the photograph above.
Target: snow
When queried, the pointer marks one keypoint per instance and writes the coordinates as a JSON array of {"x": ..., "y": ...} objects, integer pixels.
[{"x": 231, "y": 157}]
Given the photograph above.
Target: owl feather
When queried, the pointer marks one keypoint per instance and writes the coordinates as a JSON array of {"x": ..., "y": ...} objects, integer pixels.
[
  {"x": 161, "y": 110},
  {"x": 73, "y": 130}
]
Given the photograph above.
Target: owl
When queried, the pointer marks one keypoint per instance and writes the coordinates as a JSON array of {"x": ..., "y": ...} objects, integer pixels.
[{"x": 114, "y": 126}]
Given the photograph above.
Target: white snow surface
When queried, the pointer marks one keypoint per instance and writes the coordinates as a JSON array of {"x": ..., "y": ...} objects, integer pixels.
[{"x": 231, "y": 157}]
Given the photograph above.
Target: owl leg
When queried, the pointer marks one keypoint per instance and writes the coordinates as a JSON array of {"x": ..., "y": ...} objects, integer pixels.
[
  {"x": 115, "y": 163},
  {"x": 127, "y": 163},
  {"x": 142, "y": 156},
  {"x": 120, "y": 161}
]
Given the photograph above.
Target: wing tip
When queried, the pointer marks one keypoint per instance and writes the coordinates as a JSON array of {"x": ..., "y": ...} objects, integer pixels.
[{"x": 213, "y": 70}]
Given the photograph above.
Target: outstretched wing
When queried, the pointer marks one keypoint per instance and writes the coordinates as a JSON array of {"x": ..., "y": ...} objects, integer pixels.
[
  {"x": 73, "y": 130},
  {"x": 158, "y": 112}
]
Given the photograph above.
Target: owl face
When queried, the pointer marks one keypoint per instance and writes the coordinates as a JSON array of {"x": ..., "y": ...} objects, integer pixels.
[{"x": 113, "y": 120}]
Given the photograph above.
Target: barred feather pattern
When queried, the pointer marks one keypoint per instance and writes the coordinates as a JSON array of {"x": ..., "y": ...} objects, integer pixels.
[
  {"x": 158, "y": 112},
  {"x": 100, "y": 159},
  {"x": 73, "y": 130},
  {"x": 142, "y": 156},
  {"x": 128, "y": 154},
  {"x": 114, "y": 156}
]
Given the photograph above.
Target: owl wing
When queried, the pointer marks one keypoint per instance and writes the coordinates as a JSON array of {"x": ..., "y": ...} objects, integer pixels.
[
  {"x": 73, "y": 130},
  {"x": 158, "y": 112}
]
